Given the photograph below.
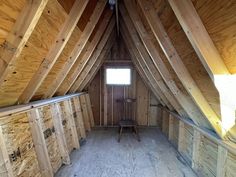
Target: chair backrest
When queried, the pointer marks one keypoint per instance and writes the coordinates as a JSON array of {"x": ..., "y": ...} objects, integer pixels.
[{"x": 128, "y": 109}]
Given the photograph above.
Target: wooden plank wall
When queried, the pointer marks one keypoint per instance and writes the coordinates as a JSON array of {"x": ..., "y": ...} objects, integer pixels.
[
  {"x": 106, "y": 109},
  {"x": 209, "y": 157},
  {"x": 20, "y": 138}
]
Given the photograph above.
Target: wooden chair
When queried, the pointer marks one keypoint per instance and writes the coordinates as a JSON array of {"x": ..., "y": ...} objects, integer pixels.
[{"x": 127, "y": 119}]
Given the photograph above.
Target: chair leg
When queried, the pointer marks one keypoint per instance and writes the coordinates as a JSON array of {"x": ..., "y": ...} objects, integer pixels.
[
  {"x": 136, "y": 132},
  {"x": 119, "y": 137}
]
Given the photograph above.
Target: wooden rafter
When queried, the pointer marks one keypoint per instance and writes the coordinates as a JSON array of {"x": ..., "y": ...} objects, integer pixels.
[
  {"x": 104, "y": 45},
  {"x": 199, "y": 37},
  {"x": 78, "y": 49},
  {"x": 101, "y": 34},
  {"x": 183, "y": 100},
  {"x": 139, "y": 56},
  {"x": 55, "y": 51},
  {"x": 19, "y": 35},
  {"x": 148, "y": 63},
  {"x": 179, "y": 67},
  {"x": 92, "y": 73},
  {"x": 134, "y": 55}
]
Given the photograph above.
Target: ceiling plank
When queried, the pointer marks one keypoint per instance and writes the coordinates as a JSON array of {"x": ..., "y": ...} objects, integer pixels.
[
  {"x": 178, "y": 65},
  {"x": 101, "y": 34},
  {"x": 19, "y": 35},
  {"x": 199, "y": 37},
  {"x": 78, "y": 48},
  {"x": 187, "y": 104},
  {"x": 55, "y": 51},
  {"x": 104, "y": 45}
]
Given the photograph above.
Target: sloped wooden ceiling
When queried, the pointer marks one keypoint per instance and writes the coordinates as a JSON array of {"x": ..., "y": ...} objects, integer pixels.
[{"x": 184, "y": 51}]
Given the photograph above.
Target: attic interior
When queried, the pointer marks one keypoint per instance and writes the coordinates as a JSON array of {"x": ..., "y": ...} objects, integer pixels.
[{"x": 74, "y": 72}]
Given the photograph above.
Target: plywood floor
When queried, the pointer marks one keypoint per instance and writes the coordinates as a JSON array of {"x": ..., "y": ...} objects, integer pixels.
[{"x": 103, "y": 156}]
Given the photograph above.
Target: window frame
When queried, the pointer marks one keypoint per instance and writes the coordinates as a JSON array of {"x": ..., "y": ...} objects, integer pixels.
[{"x": 118, "y": 67}]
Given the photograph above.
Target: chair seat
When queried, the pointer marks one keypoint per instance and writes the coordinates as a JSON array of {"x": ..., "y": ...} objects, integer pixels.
[{"x": 127, "y": 123}]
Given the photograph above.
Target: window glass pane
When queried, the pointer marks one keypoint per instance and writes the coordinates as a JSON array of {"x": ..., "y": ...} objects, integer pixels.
[{"x": 118, "y": 76}]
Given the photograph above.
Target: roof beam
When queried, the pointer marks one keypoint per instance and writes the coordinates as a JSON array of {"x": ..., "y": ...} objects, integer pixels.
[
  {"x": 199, "y": 37},
  {"x": 134, "y": 55},
  {"x": 19, "y": 35},
  {"x": 147, "y": 62},
  {"x": 187, "y": 104},
  {"x": 104, "y": 45},
  {"x": 135, "y": 42},
  {"x": 77, "y": 49},
  {"x": 92, "y": 73},
  {"x": 101, "y": 34},
  {"x": 178, "y": 66},
  {"x": 55, "y": 51}
]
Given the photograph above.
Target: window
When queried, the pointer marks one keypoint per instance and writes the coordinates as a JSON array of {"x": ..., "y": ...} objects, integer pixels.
[{"x": 118, "y": 76}]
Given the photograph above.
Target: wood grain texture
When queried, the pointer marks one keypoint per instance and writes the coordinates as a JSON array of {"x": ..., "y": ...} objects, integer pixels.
[
  {"x": 218, "y": 18},
  {"x": 16, "y": 130},
  {"x": 33, "y": 53}
]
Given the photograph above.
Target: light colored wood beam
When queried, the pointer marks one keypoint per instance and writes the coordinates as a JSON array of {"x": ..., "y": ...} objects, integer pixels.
[
  {"x": 77, "y": 49},
  {"x": 145, "y": 57},
  {"x": 85, "y": 112},
  {"x": 179, "y": 67},
  {"x": 40, "y": 143},
  {"x": 60, "y": 134},
  {"x": 134, "y": 56},
  {"x": 101, "y": 47},
  {"x": 196, "y": 150},
  {"x": 199, "y": 37},
  {"x": 101, "y": 34},
  {"x": 19, "y": 35},
  {"x": 221, "y": 161},
  {"x": 186, "y": 103},
  {"x": 90, "y": 111},
  {"x": 71, "y": 122},
  {"x": 91, "y": 74},
  {"x": 79, "y": 117},
  {"x": 55, "y": 51},
  {"x": 5, "y": 167}
]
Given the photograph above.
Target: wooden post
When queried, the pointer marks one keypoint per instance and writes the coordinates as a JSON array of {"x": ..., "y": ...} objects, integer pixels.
[
  {"x": 90, "y": 111},
  {"x": 221, "y": 161},
  {"x": 59, "y": 131},
  {"x": 85, "y": 112},
  {"x": 5, "y": 165},
  {"x": 181, "y": 136},
  {"x": 79, "y": 117},
  {"x": 71, "y": 122},
  {"x": 196, "y": 148},
  {"x": 171, "y": 128},
  {"x": 40, "y": 143}
]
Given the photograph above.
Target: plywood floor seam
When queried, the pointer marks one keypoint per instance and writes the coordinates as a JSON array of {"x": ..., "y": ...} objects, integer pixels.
[{"x": 103, "y": 156}]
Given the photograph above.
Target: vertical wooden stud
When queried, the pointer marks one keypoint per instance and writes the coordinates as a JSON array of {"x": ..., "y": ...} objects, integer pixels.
[
  {"x": 196, "y": 148},
  {"x": 181, "y": 136},
  {"x": 221, "y": 161},
  {"x": 171, "y": 128},
  {"x": 85, "y": 112},
  {"x": 71, "y": 122},
  {"x": 90, "y": 111},
  {"x": 5, "y": 165},
  {"x": 59, "y": 131},
  {"x": 79, "y": 117},
  {"x": 40, "y": 143}
]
